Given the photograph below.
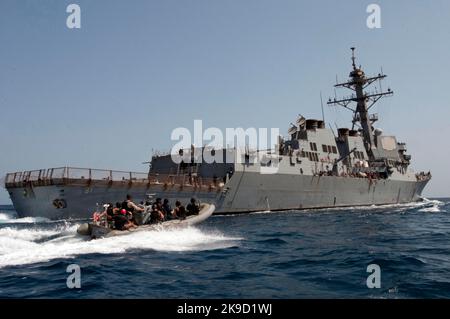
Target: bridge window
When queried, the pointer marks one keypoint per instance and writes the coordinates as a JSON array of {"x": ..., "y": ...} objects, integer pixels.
[{"x": 334, "y": 149}]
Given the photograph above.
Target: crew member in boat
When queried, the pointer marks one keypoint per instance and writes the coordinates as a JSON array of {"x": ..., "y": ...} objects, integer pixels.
[
  {"x": 167, "y": 209},
  {"x": 193, "y": 208},
  {"x": 121, "y": 222},
  {"x": 157, "y": 212},
  {"x": 110, "y": 214},
  {"x": 179, "y": 212},
  {"x": 105, "y": 217},
  {"x": 117, "y": 208},
  {"x": 130, "y": 206}
]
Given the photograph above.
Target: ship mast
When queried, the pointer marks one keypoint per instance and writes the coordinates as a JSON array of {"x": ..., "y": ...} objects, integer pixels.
[{"x": 364, "y": 101}]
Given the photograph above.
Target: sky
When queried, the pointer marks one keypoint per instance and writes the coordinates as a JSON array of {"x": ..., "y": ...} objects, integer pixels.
[{"x": 107, "y": 94}]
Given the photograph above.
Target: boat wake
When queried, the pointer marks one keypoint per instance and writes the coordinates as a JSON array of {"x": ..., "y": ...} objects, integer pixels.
[
  {"x": 8, "y": 219},
  {"x": 9, "y": 216},
  {"x": 38, "y": 244},
  {"x": 426, "y": 205},
  {"x": 431, "y": 206}
]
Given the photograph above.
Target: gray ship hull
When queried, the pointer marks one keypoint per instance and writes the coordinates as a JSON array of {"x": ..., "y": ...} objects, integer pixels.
[{"x": 245, "y": 192}]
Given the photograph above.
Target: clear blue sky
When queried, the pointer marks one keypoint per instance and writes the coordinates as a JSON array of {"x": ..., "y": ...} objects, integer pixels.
[{"x": 105, "y": 95}]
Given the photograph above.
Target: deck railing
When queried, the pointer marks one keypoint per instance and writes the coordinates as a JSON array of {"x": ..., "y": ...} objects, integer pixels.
[{"x": 89, "y": 176}]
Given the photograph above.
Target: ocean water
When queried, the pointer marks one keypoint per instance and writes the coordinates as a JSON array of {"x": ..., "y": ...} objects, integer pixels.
[{"x": 295, "y": 254}]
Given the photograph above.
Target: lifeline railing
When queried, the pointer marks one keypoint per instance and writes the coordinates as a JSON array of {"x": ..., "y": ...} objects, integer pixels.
[{"x": 89, "y": 176}]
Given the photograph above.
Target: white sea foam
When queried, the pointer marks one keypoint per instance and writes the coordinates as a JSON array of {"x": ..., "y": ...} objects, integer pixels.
[
  {"x": 424, "y": 204},
  {"x": 4, "y": 217},
  {"x": 401, "y": 207},
  {"x": 25, "y": 220},
  {"x": 11, "y": 218},
  {"x": 20, "y": 246},
  {"x": 26, "y": 234},
  {"x": 261, "y": 212},
  {"x": 434, "y": 208}
]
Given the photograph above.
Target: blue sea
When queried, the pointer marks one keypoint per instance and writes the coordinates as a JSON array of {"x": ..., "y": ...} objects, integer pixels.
[{"x": 294, "y": 254}]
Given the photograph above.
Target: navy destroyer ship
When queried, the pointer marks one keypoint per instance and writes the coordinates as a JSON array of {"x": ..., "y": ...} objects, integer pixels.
[{"x": 316, "y": 168}]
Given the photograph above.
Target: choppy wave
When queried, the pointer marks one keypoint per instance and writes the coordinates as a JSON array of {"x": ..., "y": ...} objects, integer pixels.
[{"x": 27, "y": 246}]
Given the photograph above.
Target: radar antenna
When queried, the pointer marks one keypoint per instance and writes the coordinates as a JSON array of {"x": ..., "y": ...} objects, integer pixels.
[
  {"x": 353, "y": 58},
  {"x": 358, "y": 82}
]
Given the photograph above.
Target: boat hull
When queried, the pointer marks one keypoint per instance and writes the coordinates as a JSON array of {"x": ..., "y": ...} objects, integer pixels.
[
  {"x": 96, "y": 231},
  {"x": 244, "y": 192}
]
